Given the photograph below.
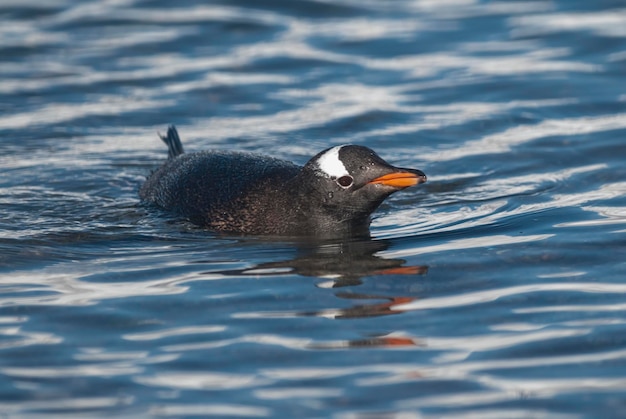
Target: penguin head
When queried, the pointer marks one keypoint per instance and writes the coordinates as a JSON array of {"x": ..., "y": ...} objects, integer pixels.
[{"x": 352, "y": 180}]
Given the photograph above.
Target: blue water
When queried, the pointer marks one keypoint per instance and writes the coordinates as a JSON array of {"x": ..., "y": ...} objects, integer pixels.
[{"x": 495, "y": 290}]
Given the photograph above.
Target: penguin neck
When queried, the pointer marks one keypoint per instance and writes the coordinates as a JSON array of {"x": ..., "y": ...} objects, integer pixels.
[{"x": 315, "y": 208}]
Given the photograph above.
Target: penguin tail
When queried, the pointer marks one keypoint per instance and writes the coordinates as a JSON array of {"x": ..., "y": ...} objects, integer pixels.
[{"x": 174, "y": 146}]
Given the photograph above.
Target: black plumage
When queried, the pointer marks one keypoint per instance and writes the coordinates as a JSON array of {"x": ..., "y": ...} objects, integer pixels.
[{"x": 332, "y": 195}]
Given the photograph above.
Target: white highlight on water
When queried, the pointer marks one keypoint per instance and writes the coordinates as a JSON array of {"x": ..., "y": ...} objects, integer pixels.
[{"x": 331, "y": 165}]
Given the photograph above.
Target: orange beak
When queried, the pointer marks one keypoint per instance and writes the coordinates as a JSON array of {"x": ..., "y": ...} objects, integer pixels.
[{"x": 400, "y": 179}]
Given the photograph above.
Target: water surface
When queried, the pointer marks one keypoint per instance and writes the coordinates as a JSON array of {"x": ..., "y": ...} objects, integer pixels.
[{"x": 494, "y": 290}]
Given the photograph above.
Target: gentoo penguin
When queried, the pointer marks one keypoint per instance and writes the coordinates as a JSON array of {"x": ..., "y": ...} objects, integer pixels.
[{"x": 331, "y": 196}]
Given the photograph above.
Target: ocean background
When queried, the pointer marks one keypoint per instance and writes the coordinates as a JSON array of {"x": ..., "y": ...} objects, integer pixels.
[{"x": 495, "y": 290}]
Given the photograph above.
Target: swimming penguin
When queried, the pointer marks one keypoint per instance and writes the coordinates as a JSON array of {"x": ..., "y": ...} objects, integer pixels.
[{"x": 331, "y": 196}]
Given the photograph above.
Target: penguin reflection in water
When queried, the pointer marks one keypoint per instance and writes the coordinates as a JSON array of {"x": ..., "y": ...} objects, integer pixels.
[{"x": 332, "y": 196}]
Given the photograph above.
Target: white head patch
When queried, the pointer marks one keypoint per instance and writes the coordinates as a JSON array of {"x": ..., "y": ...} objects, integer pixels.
[{"x": 330, "y": 164}]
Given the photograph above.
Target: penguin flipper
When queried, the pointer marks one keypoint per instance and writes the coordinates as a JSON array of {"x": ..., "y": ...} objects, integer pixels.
[{"x": 174, "y": 146}]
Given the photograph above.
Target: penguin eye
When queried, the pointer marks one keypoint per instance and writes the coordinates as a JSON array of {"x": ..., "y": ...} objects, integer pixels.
[{"x": 345, "y": 181}]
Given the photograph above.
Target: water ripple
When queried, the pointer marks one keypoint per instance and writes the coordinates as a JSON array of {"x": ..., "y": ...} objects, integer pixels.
[{"x": 486, "y": 296}]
